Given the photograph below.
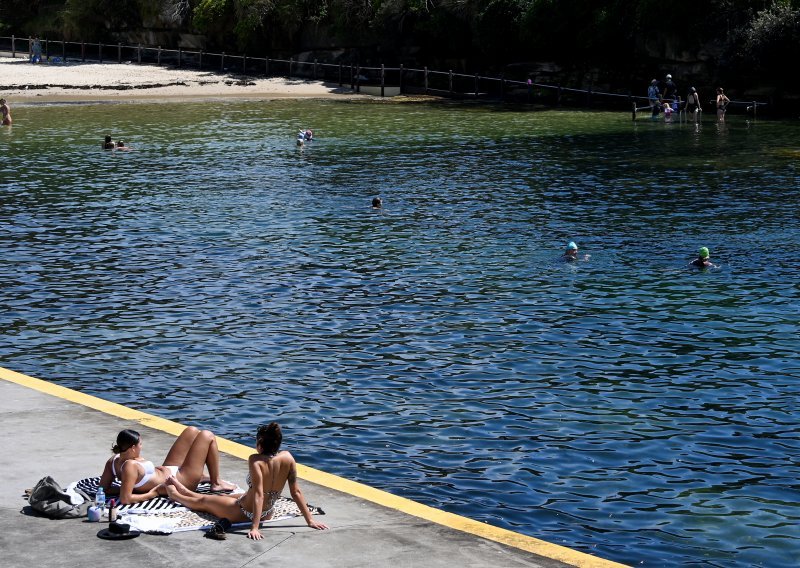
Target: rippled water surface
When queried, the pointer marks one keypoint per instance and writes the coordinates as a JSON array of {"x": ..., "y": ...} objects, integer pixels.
[{"x": 625, "y": 406}]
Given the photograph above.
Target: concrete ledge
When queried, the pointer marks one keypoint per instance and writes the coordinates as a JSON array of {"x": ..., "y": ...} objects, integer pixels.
[{"x": 51, "y": 430}]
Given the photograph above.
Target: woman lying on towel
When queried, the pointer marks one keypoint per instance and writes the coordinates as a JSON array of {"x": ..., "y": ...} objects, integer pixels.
[
  {"x": 270, "y": 469},
  {"x": 140, "y": 480}
]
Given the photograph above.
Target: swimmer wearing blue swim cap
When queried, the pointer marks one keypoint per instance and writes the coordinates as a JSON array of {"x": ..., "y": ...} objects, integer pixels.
[{"x": 571, "y": 253}]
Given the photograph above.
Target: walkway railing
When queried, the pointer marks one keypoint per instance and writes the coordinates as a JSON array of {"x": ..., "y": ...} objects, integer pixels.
[{"x": 380, "y": 80}]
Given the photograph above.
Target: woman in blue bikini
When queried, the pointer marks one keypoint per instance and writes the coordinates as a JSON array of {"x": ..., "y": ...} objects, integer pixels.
[
  {"x": 270, "y": 470},
  {"x": 140, "y": 480}
]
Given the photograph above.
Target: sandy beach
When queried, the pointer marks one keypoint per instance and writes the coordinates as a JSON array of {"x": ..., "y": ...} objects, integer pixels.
[{"x": 22, "y": 82}]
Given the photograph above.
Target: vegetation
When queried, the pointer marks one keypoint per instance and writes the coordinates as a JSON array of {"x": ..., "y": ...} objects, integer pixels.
[{"x": 623, "y": 38}]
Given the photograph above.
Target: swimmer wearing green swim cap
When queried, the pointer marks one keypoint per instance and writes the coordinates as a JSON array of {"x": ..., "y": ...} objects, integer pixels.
[{"x": 702, "y": 260}]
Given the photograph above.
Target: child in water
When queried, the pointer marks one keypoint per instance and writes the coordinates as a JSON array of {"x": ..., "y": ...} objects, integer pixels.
[{"x": 6, "y": 113}]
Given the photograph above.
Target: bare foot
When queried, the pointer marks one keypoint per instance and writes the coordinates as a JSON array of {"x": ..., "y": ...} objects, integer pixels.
[
  {"x": 223, "y": 486},
  {"x": 173, "y": 493},
  {"x": 172, "y": 482}
]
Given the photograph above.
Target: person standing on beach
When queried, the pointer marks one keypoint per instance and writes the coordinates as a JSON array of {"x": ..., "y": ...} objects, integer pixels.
[
  {"x": 6, "y": 112},
  {"x": 36, "y": 50},
  {"x": 722, "y": 104}
]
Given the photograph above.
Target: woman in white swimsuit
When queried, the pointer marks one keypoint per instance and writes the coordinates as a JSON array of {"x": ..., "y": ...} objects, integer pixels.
[
  {"x": 140, "y": 480},
  {"x": 270, "y": 470}
]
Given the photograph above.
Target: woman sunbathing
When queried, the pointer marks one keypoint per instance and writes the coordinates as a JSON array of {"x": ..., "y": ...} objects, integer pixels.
[
  {"x": 140, "y": 480},
  {"x": 270, "y": 470}
]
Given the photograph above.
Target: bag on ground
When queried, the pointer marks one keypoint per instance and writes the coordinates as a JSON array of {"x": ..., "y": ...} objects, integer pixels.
[{"x": 51, "y": 500}]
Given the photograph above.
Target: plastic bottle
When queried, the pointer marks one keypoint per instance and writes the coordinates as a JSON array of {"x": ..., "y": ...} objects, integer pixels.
[{"x": 100, "y": 499}]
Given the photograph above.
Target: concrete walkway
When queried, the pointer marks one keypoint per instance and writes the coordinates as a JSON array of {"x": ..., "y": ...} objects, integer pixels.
[{"x": 48, "y": 430}]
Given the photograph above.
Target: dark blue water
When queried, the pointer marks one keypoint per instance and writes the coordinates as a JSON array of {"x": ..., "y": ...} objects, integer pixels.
[{"x": 626, "y": 406}]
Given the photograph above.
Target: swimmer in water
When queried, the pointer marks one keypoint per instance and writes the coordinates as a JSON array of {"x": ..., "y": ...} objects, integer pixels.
[
  {"x": 571, "y": 254},
  {"x": 301, "y": 137},
  {"x": 702, "y": 260},
  {"x": 108, "y": 144},
  {"x": 377, "y": 203}
]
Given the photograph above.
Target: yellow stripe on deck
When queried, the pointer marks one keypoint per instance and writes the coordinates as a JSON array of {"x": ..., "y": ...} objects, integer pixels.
[{"x": 496, "y": 534}]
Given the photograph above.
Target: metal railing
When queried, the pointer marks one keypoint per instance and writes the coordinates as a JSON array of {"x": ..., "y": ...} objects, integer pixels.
[{"x": 378, "y": 80}]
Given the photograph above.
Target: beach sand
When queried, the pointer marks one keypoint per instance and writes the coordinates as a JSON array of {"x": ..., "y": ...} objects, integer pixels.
[{"x": 23, "y": 82}]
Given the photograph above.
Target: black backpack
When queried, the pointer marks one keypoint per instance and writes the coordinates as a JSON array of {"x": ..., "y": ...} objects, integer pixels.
[{"x": 49, "y": 499}]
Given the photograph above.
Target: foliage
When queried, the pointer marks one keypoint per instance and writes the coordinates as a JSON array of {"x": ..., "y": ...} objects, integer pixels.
[{"x": 771, "y": 39}]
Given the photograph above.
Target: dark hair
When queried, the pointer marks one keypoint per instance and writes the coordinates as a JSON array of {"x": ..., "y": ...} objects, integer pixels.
[
  {"x": 125, "y": 440},
  {"x": 376, "y": 202},
  {"x": 270, "y": 438}
]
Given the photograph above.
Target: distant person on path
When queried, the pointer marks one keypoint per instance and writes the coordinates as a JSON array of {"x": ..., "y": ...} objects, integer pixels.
[
  {"x": 108, "y": 143},
  {"x": 36, "y": 50},
  {"x": 670, "y": 89},
  {"x": 693, "y": 104},
  {"x": 703, "y": 259},
  {"x": 722, "y": 104},
  {"x": 140, "y": 480},
  {"x": 654, "y": 97},
  {"x": 270, "y": 470},
  {"x": 571, "y": 254},
  {"x": 6, "y": 113}
]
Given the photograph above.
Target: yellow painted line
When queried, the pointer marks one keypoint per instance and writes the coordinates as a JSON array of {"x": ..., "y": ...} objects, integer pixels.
[{"x": 496, "y": 534}]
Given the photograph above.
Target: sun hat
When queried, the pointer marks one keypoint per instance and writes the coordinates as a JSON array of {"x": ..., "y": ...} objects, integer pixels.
[
  {"x": 703, "y": 252},
  {"x": 572, "y": 246},
  {"x": 669, "y": 76}
]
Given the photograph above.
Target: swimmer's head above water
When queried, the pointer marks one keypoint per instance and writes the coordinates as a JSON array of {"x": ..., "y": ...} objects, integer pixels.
[{"x": 702, "y": 252}]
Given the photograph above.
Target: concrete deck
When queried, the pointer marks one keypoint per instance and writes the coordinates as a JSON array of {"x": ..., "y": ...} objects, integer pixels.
[{"x": 49, "y": 430}]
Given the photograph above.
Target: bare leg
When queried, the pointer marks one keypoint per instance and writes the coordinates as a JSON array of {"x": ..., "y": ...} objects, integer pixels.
[
  {"x": 180, "y": 449},
  {"x": 203, "y": 452},
  {"x": 222, "y": 506}
]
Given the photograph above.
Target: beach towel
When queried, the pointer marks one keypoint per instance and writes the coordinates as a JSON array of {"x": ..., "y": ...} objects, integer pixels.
[{"x": 164, "y": 516}]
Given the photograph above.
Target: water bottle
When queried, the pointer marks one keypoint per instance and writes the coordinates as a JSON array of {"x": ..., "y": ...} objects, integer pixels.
[{"x": 100, "y": 498}]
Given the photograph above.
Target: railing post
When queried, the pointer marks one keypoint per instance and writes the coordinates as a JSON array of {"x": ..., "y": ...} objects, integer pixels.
[
  {"x": 340, "y": 74},
  {"x": 83, "y": 51},
  {"x": 352, "y": 78},
  {"x": 13, "y": 47},
  {"x": 476, "y": 85},
  {"x": 100, "y": 51},
  {"x": 180, "y": 56},
  {"x": 200, "y": 62},
  {"x": 383, "y": 81},
  {"x": 222, "y": 62},
  {"x": 119, "y": 53},
  {"x": 426, "y": 79},
  {"x": 401, "y": 79},
  {"x": 450, "y": 81},
  {"x": 633, "y": 114},
  {"x": 558, "y": 95},
  {"x": 63, "y": 51},
  {"x": 291, "y": 60},
  {"x": 139, "y": 54},
  {"x": 244, "y": 64},
  {"x": 47, "y": 49},
  {"x": 502, "y": 87},
  {"x": 158, "y": 57},
  {"x": 315, "y": 68},
  {"x": 358, "y": 78},
  {"x": 755, "y": 109}
]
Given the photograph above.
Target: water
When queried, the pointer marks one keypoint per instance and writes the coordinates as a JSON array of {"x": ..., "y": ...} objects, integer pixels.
[{"x": 625, "y": 406}]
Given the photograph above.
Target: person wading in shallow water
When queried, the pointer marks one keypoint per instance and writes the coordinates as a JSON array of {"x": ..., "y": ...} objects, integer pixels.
[{"x": 5, "y": 112}]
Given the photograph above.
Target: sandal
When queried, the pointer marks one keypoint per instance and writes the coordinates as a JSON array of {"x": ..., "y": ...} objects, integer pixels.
[{"x": 217, "y": 532}]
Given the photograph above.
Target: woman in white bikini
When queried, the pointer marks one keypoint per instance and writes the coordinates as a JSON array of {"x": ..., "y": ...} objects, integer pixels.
[
  {"x": 270, "y": 470},
  {"x": 140, "y": 480}
]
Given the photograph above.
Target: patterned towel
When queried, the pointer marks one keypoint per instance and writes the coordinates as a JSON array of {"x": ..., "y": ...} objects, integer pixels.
[{"x": 163, "y": 516}]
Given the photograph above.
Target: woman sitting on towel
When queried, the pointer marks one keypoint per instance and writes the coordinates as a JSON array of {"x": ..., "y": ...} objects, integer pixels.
[
  {"x": 270, "y": 470},
  {"x": 140, "y": 480}
]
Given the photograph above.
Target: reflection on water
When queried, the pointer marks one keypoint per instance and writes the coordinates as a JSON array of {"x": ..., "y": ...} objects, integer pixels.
[{"x": 627, "y": 406}]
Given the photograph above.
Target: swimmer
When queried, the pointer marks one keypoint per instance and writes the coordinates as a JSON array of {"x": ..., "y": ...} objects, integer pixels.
[
  {"x": 571, "y": 254},
  {"x": 301, "y": 137},
  {"x": 6, "y": 112},
  {"x": 308, "y": 135},
  {"x": 377, "y": 203},
  {"x": 108, "y": 144},
  {"x": 702, "y": 260},
  {"x": 121, "y": 145}
]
